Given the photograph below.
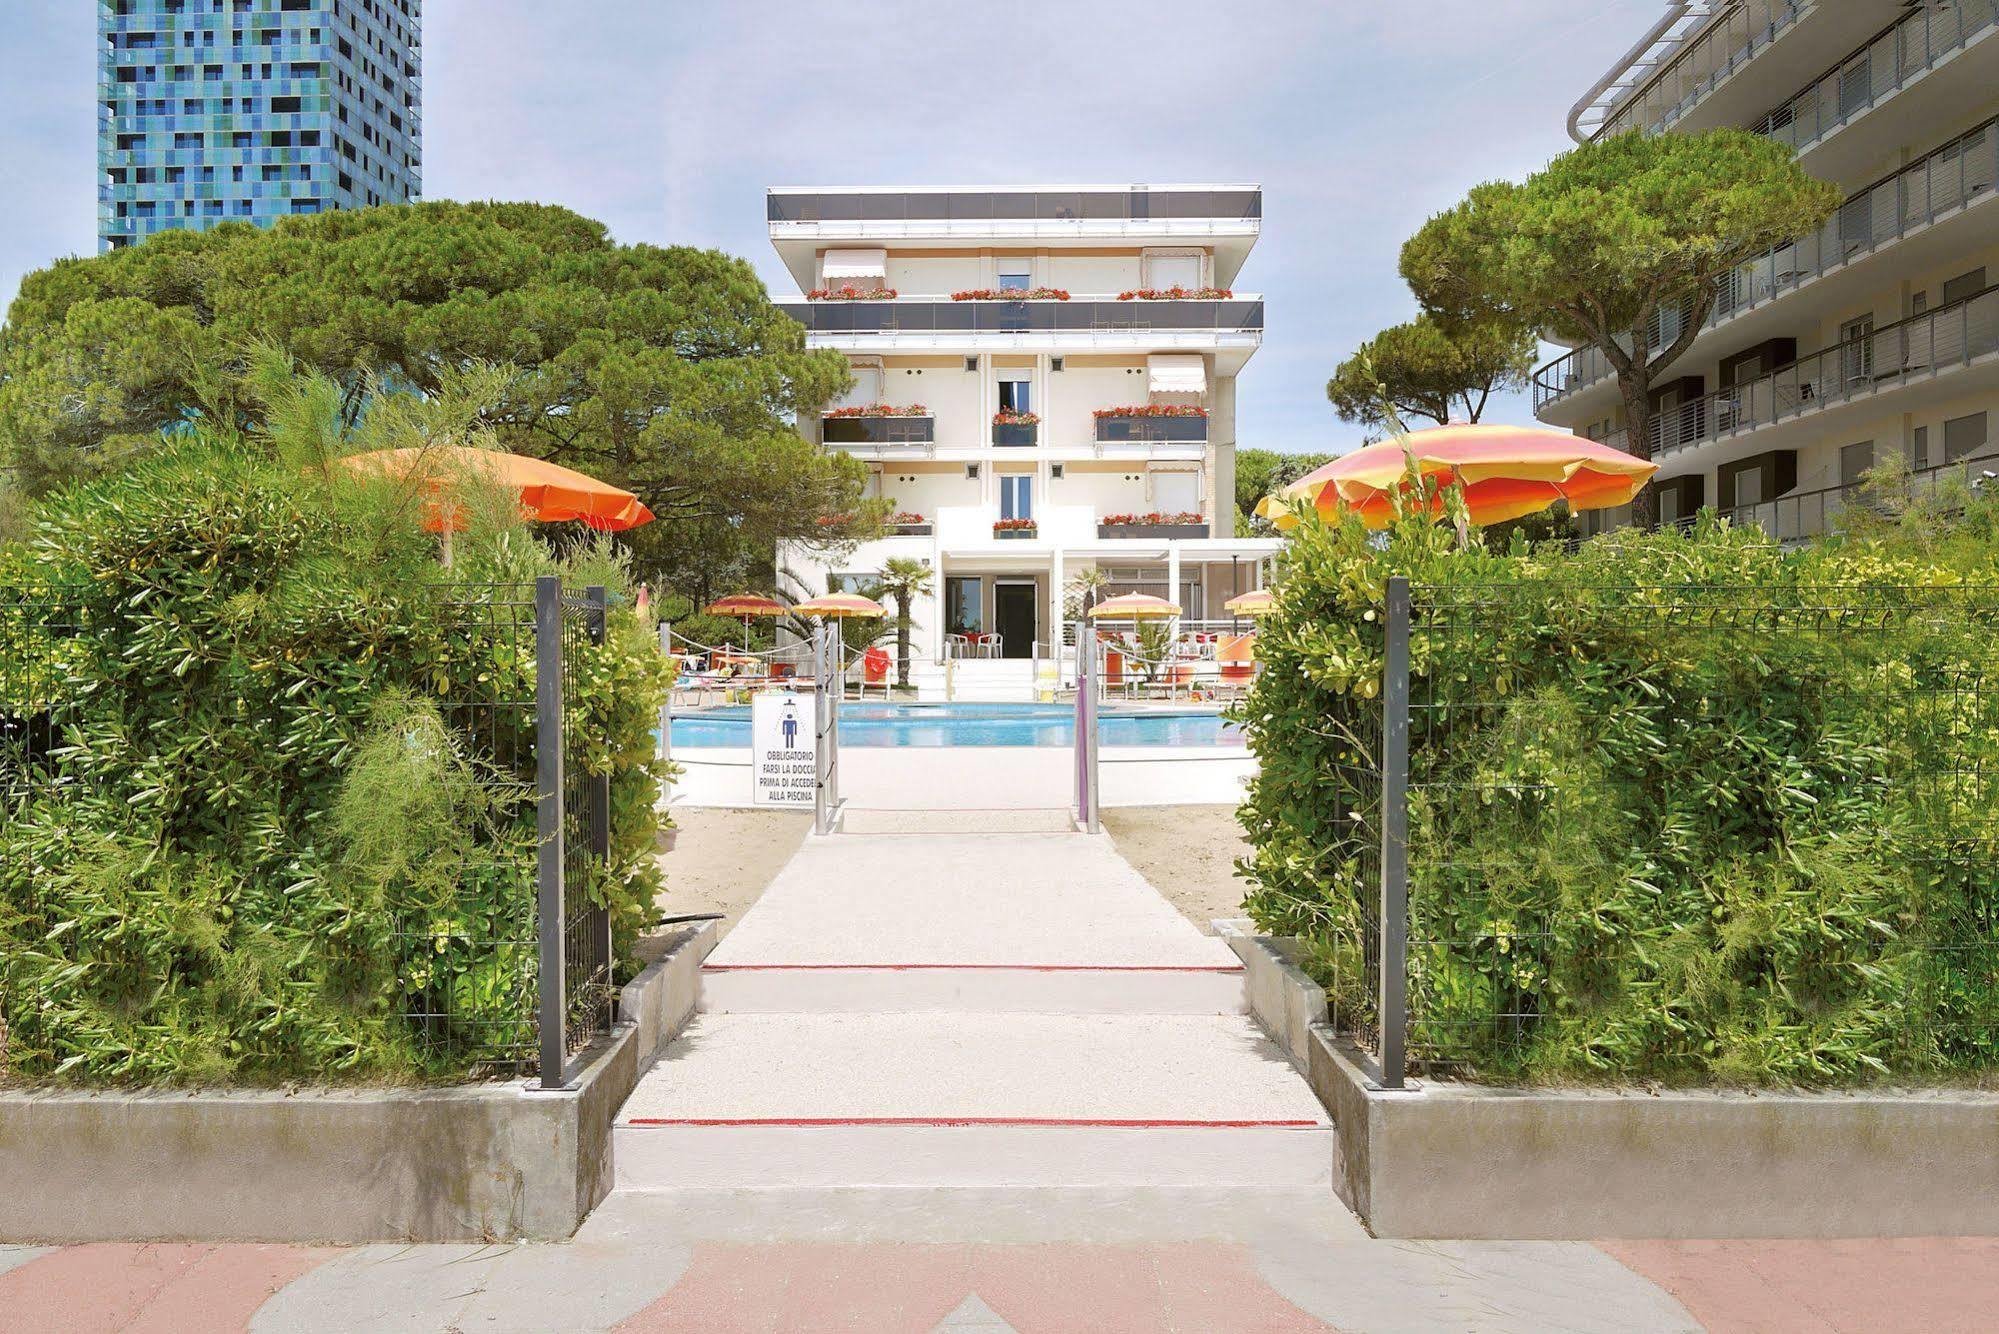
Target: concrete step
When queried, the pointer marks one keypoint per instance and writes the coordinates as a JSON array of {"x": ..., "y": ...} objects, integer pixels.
[{"x": 771, "y": 1101}]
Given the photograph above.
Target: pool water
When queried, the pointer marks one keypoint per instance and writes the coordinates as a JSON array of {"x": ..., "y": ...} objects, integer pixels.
[{"x": 977, "y": 725}]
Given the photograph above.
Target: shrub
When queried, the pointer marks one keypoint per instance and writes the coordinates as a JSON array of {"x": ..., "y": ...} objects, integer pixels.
[
  {"x": 255, "y": 845},
  {"x": 1683, "y": 806}
]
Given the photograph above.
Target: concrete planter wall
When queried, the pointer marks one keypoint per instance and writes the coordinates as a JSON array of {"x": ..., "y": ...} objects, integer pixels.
[
  {"x": 1446, "y": 1159},
  {"x": 1152, "y": 530},
  {"x": 474, "y": 1163},
  {"x": 912, "y": 529},
  {"x": 1016, "y": 534}
]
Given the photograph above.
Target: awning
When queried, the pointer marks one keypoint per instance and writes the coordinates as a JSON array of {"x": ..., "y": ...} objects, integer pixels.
[
  {"x": 1177, "y": 373},
  {"x": 856, "y": 264}
]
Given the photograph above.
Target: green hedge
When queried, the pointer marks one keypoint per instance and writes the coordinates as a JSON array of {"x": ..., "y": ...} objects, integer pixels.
[
  {"x": 284, "y": 802},
  {"x": 1684, "y": 807}
]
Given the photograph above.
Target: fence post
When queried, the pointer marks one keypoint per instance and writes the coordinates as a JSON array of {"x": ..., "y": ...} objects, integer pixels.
[
  {"x": 1394, "y": 1005},
  {"x": 666, "y": 707},
  {"x": 826, "y": 742},
  {"x": 1087, "y": 799},
  {"x": 548, "y": 778},
  {"x": 598, "y": 600}
]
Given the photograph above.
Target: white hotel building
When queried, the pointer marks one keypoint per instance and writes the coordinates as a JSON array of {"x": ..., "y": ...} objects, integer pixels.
[
  {"x": 1879, "y": 333},
  {"x": 1005, "y": 509}
]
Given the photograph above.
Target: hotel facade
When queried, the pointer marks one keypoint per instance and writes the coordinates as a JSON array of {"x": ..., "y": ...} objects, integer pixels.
[
  {"x": 1878, "y": 334},
  {"x": 1045, "y": 383}
]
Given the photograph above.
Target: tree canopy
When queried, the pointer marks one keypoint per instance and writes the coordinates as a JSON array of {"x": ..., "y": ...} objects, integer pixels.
[
  {"x": 1596, "y": 246},
  {"x": 662, "y": 369},
  {"x": 1432, "y": 370},
  {"x": 1259, "y": 472}
]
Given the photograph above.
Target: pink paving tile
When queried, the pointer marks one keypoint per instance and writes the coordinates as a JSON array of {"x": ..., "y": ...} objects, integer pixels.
[
  {"x": 1935, "y": 1285},
  {"x": 139, "y": 1289},
  {"x": 909, "y": 1289}
]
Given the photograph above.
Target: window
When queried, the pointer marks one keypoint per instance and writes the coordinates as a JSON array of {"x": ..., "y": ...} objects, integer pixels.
[
  {"x": 1016, "y": 275},
  {"x": 1163, "y": 271},
  {"x": 1854, "y": 461},
  {"x": 1016, "y": 391},
  {"x": 962, "y": 605},
  {"x": 1919, "y": 448},
  {"x": 852, "y": 583},
  {"x": 1016, "y": 495},
  {"x": 1176, "y": 492},
  {"x": 1856, "y": 341},
  {"x": 1963, "y": 286},
  {"x": 284, "y": 105},
  {"x": 1963, "y": 437}
]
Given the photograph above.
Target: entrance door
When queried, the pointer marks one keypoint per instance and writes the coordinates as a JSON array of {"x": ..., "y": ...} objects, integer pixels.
[{"x": 1014, "y": 619}]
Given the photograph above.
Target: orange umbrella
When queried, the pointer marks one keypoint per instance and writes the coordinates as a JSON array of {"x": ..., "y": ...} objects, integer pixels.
[
  {"x": 1131, "y": 606},
  {"x": 549, "y": 492},
  {"x": 745, "y": 604},
  {"x": 1506, "y": 472},
  {"x": 837, "y": 605}
]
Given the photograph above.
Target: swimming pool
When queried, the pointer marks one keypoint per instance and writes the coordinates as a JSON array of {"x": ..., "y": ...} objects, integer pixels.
[{"x": 977, "y": 725}]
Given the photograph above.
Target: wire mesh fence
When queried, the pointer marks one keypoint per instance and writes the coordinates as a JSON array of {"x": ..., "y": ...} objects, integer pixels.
[
  {"x": 469, "y": 971},
  {"x": 1654, "y": 830}
]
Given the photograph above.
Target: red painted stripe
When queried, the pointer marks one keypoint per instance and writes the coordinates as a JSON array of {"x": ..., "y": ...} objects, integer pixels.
[
  {"x": 968, "y": 968},
  {"x": 1090, "y": 1122}
]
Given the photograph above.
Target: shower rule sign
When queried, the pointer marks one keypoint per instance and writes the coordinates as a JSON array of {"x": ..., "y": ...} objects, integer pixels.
[{"x": 782, "y": 758}]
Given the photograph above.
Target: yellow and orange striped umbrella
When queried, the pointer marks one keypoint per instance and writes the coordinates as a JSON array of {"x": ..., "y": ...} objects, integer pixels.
[
  {"x": 745, "y": 604},
  {"x": 1256, "y": 602},
  {"x": 1506, "y": 472},
  {"x": 1131, "y": 606},
  {"x": 549, "y": 492},
  {"x": 837, "y": 605}
]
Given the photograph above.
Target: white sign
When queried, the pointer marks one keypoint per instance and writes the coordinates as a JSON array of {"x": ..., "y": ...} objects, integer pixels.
[{"x": 783, "y": 758}]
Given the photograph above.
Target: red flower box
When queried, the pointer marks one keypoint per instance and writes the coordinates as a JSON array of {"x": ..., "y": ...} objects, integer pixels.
[
  {"x": 1015, "y": 526},
  {"x": 1007, "y": 417},
  {"x": 880, "y": 410},
  {"x": 1176, "y": 294},
  {"x": 1011, "y": 294},
  {"x": 851, "y": 294},
  {"x": 1152, "y": 410},
  {"x": 1153, "y": 520}
]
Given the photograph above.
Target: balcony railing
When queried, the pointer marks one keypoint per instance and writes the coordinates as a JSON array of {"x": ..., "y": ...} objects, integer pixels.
[
  {"x": 1014, "y": 205},
  {"x": 1925, "y": 345},
  {"x": 1802, "y": 515},
  {"x": 1907, "y": 49},
  {"x": 879, "y": 430},
  {"x": 1056, "y": 317},
  {"x": 1152, "y": 430},
  {"x": 1961, "y": 172},
  {"x": 1694, "y": 70}
]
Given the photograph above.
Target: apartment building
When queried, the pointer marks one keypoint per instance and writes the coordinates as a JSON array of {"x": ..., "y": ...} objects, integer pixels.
[
  {"x": 216, "y": 111},
  {"x": 1877, "y": 334},
  {"x": 1045, "y": 382}
]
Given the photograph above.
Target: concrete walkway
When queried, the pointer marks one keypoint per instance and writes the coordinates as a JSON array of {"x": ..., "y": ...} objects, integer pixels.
[{"x": 987, "y": 1082}]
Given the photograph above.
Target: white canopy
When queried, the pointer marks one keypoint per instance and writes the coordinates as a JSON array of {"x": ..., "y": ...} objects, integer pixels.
[
  {"x": 856, "y": 264},
  {"x": 1177, "y": 373}
]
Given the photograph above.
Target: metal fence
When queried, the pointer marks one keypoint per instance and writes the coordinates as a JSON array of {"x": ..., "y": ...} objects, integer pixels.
[
  {"x": 524, "y": 982},
  {"x": 1480, "y": 859}
]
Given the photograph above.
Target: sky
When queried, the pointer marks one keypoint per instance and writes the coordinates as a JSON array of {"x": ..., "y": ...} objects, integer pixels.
[{"x": 666, "y": 119}]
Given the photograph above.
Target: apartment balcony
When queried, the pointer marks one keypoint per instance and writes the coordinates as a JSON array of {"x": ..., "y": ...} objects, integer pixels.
[
  {"x": 1135, "y": 429},
  {"x": 1941, "y": 343},
  {"x": 1682, "y": 72},
  {"x": 1943, "y": 185},
  {"x": 939, "y": 318},
  {"x": 1803, "y": 515},
  {"x": 984, "y": 207},
  {"x": 880, "y": 436}
]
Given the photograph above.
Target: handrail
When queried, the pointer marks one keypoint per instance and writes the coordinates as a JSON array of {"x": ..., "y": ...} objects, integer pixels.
[
  {"x": 1700, "y": 61},
  {"x": 1922, "y": 345},
  {"x": 1953, "y": 175}
]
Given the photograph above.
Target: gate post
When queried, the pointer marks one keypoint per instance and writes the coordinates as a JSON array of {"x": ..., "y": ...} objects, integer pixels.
[
  {"x": 666, "y": 706},
  {"x": 1394, "y": 1004},
  {"x": 1087, "y": 798},
  {"x": 826, "y": 729},
  {"x": 598, "y": 600},
  {"x": 548, "y": 776}
]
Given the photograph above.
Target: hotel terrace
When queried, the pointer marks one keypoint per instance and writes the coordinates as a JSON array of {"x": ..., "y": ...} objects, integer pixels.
[
  {"x": 1879, "y": 334},
  {"x": 1045, "y": 382}
]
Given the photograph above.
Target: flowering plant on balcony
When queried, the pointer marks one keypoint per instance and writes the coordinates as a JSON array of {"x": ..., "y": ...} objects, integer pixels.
[
  {"x": 1176, "y": 294},
  {"x": 904, "y": 519},
  {"x": 850, "y": 293},
  {"x": 1152, "y": 520},
  {"x": 1008, "y": 417},
  {"x": 1015, "y": 526},
  {"x": 1011, "y": 294},
  {"x": 1152, "y": 410},
  {"x": 880, "y": 410}
]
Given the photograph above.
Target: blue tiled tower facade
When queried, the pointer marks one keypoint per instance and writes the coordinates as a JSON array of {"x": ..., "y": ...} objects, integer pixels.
[{"x": 254, "y": 110}]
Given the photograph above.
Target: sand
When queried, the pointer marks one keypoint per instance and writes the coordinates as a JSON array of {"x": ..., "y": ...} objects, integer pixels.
[
  {"x": 1187, "y": 853},
  {"x": 721, "y": 860}
]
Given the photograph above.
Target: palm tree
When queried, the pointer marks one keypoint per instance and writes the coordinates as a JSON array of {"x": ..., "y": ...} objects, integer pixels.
[
  {"x": 1085, "y": 588},
  {"x": 903, "y": 580}
]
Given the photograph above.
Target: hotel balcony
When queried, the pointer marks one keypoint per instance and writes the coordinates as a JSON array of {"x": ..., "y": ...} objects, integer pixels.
[
  {"x": 1955, "y": 346},
  {"x": 1947, "y": 191},
  {"x": 937, "y": 318},
  {"x": 880, "y": 436}
]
